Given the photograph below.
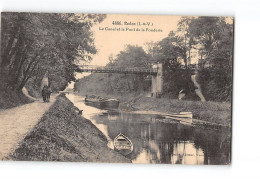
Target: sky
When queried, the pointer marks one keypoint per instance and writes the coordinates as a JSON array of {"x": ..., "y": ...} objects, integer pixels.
[{"x": 110, "y": 42}]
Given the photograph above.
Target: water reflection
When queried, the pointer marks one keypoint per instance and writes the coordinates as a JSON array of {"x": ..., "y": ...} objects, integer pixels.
[{"x": 156, "y": 142}]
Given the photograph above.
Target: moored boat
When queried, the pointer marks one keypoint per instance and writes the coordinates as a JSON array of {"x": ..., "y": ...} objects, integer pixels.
[
  {"x": 100, "y": 102},
  {"x": 180, "y": 115},
  {"x": 123, "y": 144},
  {"x": 95, "y": 102},
  {"x": 111, "y": 103},
  {"x": 183, "y": 117}
]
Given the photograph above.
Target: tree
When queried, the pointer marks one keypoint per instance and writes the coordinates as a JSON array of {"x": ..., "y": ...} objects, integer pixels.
[
  {"x": 215, "y": 37},
  {"x": 131, "y": 57},
  {"x": 212, "y": 39},
  {"x": 34, "y": 43},
  {"x": 169, "y": 51},
  {"x": 187, "y": 38}
]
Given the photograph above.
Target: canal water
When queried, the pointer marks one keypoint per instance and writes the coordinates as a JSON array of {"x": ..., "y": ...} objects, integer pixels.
[{"x": 158, "y": 142}]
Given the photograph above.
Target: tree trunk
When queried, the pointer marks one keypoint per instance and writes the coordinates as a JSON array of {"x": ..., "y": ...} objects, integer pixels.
[
  {"x": 27, "y": 77},
  {"x": 6, "y": 51}
]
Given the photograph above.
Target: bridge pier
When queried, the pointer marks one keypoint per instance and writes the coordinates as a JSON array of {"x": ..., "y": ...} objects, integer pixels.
[{"x": 157, "y": 82}]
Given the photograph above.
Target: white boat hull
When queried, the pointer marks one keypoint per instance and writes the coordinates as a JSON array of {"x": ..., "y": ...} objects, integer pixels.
[{"x": 123, "y": 144}]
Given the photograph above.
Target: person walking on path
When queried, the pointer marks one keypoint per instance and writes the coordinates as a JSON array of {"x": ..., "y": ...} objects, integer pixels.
[{"x": 46, "y": 93}]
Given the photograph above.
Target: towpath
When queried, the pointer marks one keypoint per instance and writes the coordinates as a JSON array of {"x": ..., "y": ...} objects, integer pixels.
[{"x": 16, "y": 122}]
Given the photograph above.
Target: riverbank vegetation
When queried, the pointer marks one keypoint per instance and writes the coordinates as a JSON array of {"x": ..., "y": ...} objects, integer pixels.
[
  {"x": 205, "y": 43},
  {"x": 64, "y": 135},
  {"x": 38, "y": 44},
  {"x": 210, "y": 111}
]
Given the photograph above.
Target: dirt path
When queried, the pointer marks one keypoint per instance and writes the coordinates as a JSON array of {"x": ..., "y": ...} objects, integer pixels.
[
  {"x": 198, "y": 90},
  {"x": 16, "y": 122}
]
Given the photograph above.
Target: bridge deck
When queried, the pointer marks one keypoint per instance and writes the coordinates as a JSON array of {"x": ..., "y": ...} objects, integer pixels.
[
  {"x": 98, "y": 69},
  {"x": 125, "y": 70}
]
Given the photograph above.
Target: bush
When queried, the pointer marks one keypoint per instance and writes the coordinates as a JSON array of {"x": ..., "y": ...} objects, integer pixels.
[{"x": 216, "y": 83}]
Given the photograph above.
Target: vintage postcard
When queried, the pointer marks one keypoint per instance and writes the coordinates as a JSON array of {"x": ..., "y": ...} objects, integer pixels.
[{"x": 153, "y": 89}]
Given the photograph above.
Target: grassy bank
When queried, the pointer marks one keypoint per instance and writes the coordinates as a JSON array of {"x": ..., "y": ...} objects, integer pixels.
[
  {"x": 99, "y": 84},
  {"x": 215, "y": 112},
  {"x": 63, "y": 135}
]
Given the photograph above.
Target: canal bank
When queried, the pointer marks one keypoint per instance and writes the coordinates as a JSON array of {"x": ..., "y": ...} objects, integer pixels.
[
  {"x": 64, "y": 135},
  {"x": 136, "y": 98},
  {"x": 210, "y": 112},
  {"x": 155, "y": 141}
]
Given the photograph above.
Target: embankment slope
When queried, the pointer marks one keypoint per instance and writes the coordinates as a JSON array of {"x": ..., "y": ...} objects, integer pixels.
[
  {"x": 10, "y": 99},
  {"x": 63, "y": 135},
  {"x": 210, "y": 111}
]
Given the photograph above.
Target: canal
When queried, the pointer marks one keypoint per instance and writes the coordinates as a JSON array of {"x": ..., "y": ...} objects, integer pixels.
[{"x": 158, "y": 142}]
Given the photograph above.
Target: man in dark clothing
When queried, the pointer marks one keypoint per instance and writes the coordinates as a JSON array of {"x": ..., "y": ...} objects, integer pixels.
[{"x": 46, "y": 93}]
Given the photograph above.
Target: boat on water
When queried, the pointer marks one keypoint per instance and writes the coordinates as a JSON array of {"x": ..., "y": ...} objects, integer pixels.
[
  {"x": 96, "y": 102},
  {"x": 123, "y": 144},
  {"x": 185, "y": 118},
  {"x": 179, "y": 115},
  {"x": 100, "y": 102},
  {"x": 111, "y": 103}
]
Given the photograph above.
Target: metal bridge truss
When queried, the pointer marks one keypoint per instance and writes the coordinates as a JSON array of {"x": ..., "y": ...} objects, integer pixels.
[{"x": 124, "y": 70}]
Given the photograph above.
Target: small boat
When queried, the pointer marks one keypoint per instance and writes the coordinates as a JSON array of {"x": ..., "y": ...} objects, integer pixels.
[
  {"x": 96, "y": 102},
  {"x": 100, "y": 102},
  {"x": 179, "y": 115},
  {"x": 123, "y": 145},
  {"x": 180, "y": 119},
  {"x": 111, "y": 103}
]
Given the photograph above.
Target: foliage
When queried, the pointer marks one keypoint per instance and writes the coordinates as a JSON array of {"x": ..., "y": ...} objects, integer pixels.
[
  {"x": 34, "y": 44},
  {"x": 169, "y": 51},
  {"x": 132, "y": 56},
  {"x": 212, "y": 40},
  {"x": 209, "y": 38},
  {"x": 215, "y": 38}
]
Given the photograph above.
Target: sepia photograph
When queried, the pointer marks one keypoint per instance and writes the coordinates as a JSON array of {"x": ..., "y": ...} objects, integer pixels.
[{"x": 116, "y": 88}]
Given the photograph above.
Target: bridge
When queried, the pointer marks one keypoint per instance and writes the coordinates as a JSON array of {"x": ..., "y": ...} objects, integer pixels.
[
  {"x": 155, "y": 71},
  {"x": 114, "y": 69}
]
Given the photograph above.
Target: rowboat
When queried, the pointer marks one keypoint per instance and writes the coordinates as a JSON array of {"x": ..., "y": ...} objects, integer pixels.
[
  {"x": 179, "y": 115},
  {"x": 182, "y": 117},
  {"x": 122, "y": 144},
  {"x": 182, "y": 120}
]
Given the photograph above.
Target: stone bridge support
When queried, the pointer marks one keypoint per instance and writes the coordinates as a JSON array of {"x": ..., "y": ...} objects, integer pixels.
[{"x": 157, "y": 82}]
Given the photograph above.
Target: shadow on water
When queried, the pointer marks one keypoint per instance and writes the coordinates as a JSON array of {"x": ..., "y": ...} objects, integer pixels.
[{"x": 157, "y": 142}]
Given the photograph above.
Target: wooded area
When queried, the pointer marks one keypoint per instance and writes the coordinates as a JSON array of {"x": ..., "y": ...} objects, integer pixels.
[
  {"x": 206, "y": 40},
  {"x": 38, "y": 44},
  {"x": 35, "y": 44}
]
